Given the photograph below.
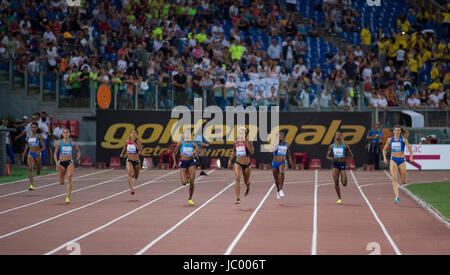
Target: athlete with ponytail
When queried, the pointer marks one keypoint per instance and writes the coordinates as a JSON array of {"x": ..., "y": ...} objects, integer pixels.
[
  {"x": 242, "y": 150},
  {"x": 63, "y": 159},
  {"x": 397, "y": 163},
  {"x": 188, "y": 151},
  {"x": 338, "y": 153},
  {"x": 281, "y": 154},
  {"x": 133, "y": 164},
  {"x": 35, "y": 142}
]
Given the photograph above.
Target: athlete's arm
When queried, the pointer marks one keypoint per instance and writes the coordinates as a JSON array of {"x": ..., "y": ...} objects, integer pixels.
[
  {"x": 411, "y": 158},
  {"x": 41, "y": 140},
  {"x": 174, "y": 154},
  {"x": 25, "y": 150},
  {"x": 349, "y": 152},
  {"x": 388, "y": 142},
  {"x": 78, "y": 152},
  {"x": 232, "y": 157},
  {"x": 329, "y": 152},
  {"x": 122, "y": 155},
  {"x": 250, "y": 147},
  {"x": 288, "y": 154},
  {"x": 138, "y": 145},
  {"x": 55, "y": 154}
]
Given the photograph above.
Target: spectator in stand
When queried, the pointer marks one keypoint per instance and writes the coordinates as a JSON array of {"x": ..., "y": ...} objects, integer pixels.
[
  {"x": 366, "y": 39},
  {"x": 346, "y": 102},
  {"x": 230, "y": 90},
  {"x": 311, "y": 28}
]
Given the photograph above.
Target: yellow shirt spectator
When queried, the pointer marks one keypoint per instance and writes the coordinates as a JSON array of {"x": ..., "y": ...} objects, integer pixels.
[
  {"x": 447, "y": 79},
  {"x": 426, "y": 56},
  {"x": 392, "y": 50},
  {"x": 402, "y": 39},
  {"x": 366, "y": 37},
  {"x": 200, "y": 37},
  {"x": 413, "y": 65},
  {"x": 435, "y": 86},
  {"x": 403, "y": 26},
  {"x": 434, "y": 73},
  {"x": 236, "y": 52},
  {"x": 382, "y": 47},
  {"x": 441, "y": 46}
]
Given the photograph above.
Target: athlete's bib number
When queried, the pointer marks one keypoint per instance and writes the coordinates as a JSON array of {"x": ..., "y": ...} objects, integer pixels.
[
  {"x": 188, "y": 151},
  {"x": 66, "y": 150},
  {"x": 282, "y": 150},
  {"x": 131, "y": 149},
  {"x": 339, "y": 152},
  {"x": 240, "y": 151},
  {"x": 396, "y": 146}
]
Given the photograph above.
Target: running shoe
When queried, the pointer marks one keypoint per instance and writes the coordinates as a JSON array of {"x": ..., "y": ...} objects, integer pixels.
[
  {"x": 67, "y": 200},
  {"x": 278, "y": 195},
  {"x": 203, "y": 173},
  {"x": 190, "y": 202},
  {"x": 238, "y": 201},
  {"x": 397, "y": 200},
  {"x": 339, "y": 201},
  {"x": 281, "y": 193},
  {"x": 132, "y": 192},
  {"x": 188, "y": 181},
  {"x": 31, "y": 187}
]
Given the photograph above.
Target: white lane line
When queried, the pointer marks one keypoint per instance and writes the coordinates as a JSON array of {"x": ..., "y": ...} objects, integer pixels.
[
  {"x": 81, "y": 207},
  {"x": 121, "y": 217},
  {"x": 423, "y": 203},
  {"x": 239, "y": 235},
  {"x": 152, "y": 243},
  {"x": 391, "y": 241},
  {"x": 50, "y": 184},
  {"x": 60, "y": 195},
  {"x": 314, "y": 236}
]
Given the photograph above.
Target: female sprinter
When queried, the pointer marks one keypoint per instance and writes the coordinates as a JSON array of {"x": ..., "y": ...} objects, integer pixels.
[
  {"x": 187, "y": 149},
  {"x": 64, "y": 166},
  {"x": 341, "y": 153},
  {"x": 279, "y": 163},
  {"x": 242, "y": 150},
  {"x": 35, "y": 143},
  {"x": 133, "y": 164},
  {"x": 397, "y": 144}
]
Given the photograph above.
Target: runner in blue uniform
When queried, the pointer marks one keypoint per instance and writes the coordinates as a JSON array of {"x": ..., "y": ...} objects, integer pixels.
[
  {"x": 35, "y": 142},
  {"x": 63, "y": 159},
  {"x": 279, "y": 163},
  {"x": 397, "y": 144},
  {"x": 188, "y": 150},
  {"x": 340, "y": 154}
]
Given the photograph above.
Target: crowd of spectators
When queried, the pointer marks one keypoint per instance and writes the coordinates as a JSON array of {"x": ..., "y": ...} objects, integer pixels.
[{"x": 194, "y": 47}]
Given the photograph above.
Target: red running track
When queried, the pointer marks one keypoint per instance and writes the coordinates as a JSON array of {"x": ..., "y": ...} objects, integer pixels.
[{"x": 103, "y": 218}]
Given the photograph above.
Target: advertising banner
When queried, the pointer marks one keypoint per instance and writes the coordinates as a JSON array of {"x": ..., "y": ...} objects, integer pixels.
[
  {"x": 305, "y": 132},
  {"x": 429, "y": 157}
]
